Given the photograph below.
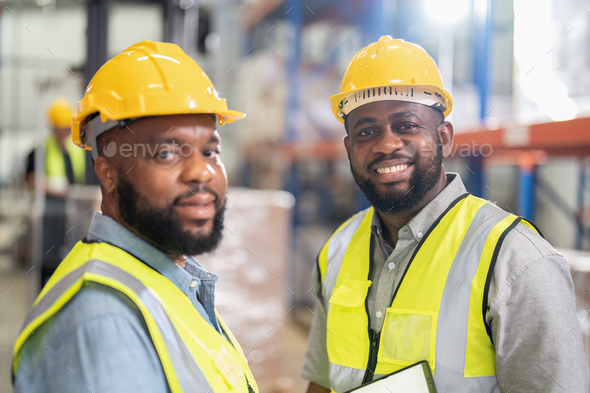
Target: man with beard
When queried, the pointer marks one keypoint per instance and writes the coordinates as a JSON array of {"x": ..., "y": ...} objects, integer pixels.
[
  {"x": 430, "y": 272},
  {"x": 129, "y": 309}
]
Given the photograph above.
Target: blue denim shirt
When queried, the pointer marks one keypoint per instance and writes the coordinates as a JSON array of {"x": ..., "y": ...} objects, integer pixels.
[{"x": 98, "y": 342}]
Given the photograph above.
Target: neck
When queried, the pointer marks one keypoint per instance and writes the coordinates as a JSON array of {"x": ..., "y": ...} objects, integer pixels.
[
  {"x": 109, "y": 209},
  {"x": 392, "y": 223}
]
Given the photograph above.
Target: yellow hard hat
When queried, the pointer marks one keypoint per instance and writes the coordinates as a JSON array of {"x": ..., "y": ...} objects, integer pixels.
[
  {"x": 391, "y": 69},
  {"x": 148, "y": 79},
  {"x": 60, "y": 113}
]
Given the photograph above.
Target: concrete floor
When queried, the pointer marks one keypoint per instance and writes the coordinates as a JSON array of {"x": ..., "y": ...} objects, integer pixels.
[{"x": 16, "y": 298}]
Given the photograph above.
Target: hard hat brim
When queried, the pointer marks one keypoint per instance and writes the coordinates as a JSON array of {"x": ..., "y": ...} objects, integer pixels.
[{"x": 336, "y": 99}]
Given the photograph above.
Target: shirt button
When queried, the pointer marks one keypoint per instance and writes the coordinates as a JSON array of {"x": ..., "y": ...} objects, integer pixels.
[
  {"x": 420, "y": 234},
  {"x": 193, "y": 284},
  {"x": 391, "y": 265},
  {"x": 379, "y": 314}
]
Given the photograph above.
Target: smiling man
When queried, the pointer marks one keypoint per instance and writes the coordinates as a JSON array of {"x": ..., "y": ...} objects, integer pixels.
[
  {"x": 129, "y": 309},
  {"x": 430, "y": 272}
]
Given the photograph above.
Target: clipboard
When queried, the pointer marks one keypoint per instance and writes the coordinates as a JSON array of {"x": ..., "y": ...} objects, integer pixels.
[{"x": 416, "y": 378}]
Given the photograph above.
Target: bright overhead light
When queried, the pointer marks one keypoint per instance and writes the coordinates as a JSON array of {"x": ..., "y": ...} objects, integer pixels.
[{"x": 446, "y": 12}]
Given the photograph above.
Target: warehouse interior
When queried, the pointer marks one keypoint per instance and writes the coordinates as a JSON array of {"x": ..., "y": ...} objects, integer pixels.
[{"x": 517, "y": 70}]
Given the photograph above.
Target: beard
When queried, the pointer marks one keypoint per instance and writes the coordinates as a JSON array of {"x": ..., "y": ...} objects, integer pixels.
[
  {"x": 161, "y": 226},
  {"x": 424, "y": 177}
]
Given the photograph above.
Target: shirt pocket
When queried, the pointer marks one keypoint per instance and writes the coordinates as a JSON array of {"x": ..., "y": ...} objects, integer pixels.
[{"x": 408, "y": 336}]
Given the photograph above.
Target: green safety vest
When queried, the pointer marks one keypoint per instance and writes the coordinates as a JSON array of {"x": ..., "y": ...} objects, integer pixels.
[
  {"x": 186, "y": 343},
  {"x": 55, "y": 166},
  {"x": 438, "y": 310}
]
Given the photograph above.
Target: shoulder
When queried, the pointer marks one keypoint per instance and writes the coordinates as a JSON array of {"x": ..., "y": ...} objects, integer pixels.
[
  {"x": 525, "y": 255},
  {"x": 99, "y": 330},
  {"x": 105, "y": 311}
]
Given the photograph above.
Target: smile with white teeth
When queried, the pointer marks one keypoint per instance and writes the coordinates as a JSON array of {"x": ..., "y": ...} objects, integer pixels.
[{"x": 392, "y": 169}]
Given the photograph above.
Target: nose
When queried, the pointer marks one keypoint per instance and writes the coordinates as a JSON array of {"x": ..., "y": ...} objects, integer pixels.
[
  {"x": 197, "y": 169},
  {"x": 387, "y": 143}
]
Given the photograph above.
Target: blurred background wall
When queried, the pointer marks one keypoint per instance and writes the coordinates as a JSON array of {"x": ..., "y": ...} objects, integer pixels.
[{"x": 517, "y": 70}]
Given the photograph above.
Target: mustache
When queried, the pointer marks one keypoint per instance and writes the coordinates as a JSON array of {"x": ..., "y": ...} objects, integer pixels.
[
  {"x": 392, "y": 156},
  {"x": 199, "y": 188}
]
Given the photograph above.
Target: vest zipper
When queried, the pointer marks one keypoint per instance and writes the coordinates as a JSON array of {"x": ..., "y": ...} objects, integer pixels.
[
  {"x": 373, "y": 351},
  {"x": 373, "y": 336}
]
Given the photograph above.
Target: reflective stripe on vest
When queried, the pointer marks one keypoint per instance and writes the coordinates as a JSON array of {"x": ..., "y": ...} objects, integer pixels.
[
  {"x": 436, "y": 312},
  {"x": 187, "y": 345},
  {"x": 55, "y": 166}
]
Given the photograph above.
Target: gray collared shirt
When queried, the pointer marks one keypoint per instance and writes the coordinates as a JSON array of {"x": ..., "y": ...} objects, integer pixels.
[
  {"x": 99, "y": 341},
  {"x": 531, "y": 305}
]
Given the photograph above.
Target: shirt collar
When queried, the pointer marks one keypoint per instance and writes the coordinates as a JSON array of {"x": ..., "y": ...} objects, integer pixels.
[
  {"x": 422, "y": 221},
  {"x": 105, "y": 229}
]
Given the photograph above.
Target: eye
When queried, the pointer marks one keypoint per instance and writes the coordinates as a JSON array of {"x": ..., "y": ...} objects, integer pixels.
[
  {"x": 166, "y": 156},
  {"x": 407, "y": 127},
  {"x": 210, "y": 153},
  {"x": 366, "y": 132}
]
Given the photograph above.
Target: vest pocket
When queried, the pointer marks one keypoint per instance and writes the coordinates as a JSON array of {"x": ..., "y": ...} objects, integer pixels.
[
  {"x": 347, "y": 324},
  {"x": 408, "y": 336}
]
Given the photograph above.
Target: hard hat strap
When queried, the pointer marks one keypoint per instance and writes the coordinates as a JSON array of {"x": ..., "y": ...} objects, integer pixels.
[
  {"x": 94, "y": 127},
  {"x": 413, "y": 94}
]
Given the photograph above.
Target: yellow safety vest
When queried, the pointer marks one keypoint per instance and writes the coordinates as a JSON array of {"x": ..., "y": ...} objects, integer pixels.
[
  {"x": 185, "y": 342},
  {"x": 438, "y": 310},
  {"x": 55, "y": 166}
]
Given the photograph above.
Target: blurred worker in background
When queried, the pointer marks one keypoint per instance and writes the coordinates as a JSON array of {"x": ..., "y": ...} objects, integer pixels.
[
  {"x": 430, "y": 272},
  {"x": 63, "y": 164},
  {"x": 129, "y": 309}
]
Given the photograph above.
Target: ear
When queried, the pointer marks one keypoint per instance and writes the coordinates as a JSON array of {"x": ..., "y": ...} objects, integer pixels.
[
  {"x": 346, "y": 141},
  {"x": 107, "y": 173},
  {"x": 447, "y": 135}
]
